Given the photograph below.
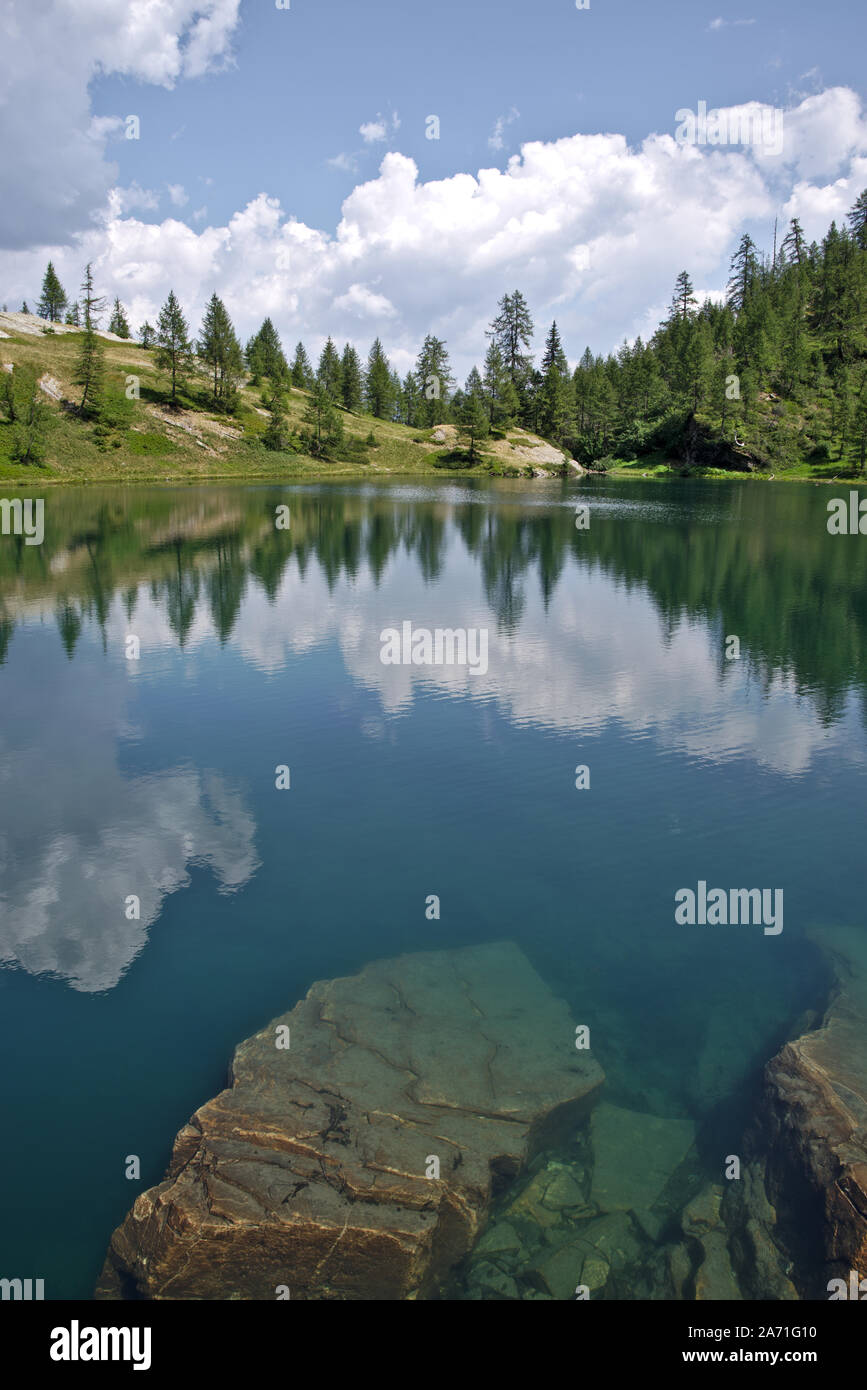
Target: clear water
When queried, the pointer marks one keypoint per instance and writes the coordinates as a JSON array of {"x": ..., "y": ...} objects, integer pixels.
[{"x": 261, "y": 647}]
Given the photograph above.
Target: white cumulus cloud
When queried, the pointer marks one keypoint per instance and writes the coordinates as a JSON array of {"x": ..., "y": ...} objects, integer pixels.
[
  {"x": 53, "y": 169},
  {"x": 591, "y": 229}
]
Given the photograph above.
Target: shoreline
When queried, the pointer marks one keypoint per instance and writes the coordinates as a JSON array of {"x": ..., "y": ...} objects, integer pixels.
[{"x": 362, "y": 475}]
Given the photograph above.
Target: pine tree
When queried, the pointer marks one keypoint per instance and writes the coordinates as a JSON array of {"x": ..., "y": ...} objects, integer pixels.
[
  {"x": 377, "y": 383},
  {"x": 174, "y": 349},
  {"x": 90, "y": 368},
  {"x": 512, "y": 330},
  {"x": 857, "y": 218},
  {"x": 411, "y": 400},
  {"x": 743, "y": 271},
  {"x": 147, "y": 334},
  {"x": 350, "y": 376},
  {"x": 398, "y": 404},
  {"x": 683, "y": 300},
  {"x": 858, "y": 423},
  {"x": 276, "y": 435},
  {"x": 119, "y": 323},
  {"x": 328, "y": 372},
  {"x": 555, "y": 396},
  {"x": 24, "y": 308},
  {"x": 73, "y": 316},
  {"x": 473, "y": 423},
  {"x": 265, "y": 355},
  {"x": 494, "y": 380},
  {"x": 794, "y": 244},
  {"x": 325, "y": 427},
  {"x": 302, "y": 374},
  {"x": 53, "y": 300},
  {"x": 433, "y": 374},
  {"x": 699, "y": 362},
  {"x": 219, "y": 348}
]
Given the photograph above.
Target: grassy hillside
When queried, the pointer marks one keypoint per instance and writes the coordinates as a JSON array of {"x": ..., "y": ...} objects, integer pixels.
[{"x": 145, "y": 438}]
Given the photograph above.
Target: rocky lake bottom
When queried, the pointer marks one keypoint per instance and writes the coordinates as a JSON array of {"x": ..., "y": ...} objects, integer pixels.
[{"x": 422, "y": 1034}]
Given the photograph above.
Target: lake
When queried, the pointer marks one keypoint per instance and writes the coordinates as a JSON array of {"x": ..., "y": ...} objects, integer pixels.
[{"x": 148, "y": 769}]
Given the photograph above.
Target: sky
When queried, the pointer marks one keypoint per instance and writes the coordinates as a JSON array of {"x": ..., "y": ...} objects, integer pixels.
[{"x": 283, "y": 156}]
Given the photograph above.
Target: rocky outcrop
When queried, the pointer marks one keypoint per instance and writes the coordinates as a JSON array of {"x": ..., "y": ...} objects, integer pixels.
[
  {"x": 310, "y": 1173},
  {"x": 700, "y": 448},
  {"x": 813, "y": 1127}
]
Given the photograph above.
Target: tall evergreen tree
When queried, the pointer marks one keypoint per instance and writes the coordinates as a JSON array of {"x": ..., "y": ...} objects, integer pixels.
[
  {"x": 398, "y": 404},
  {"x": 794, "y": 245},
  {"x": 328, "y": 372},
  {"x": 743, "y": 271},
  {"x": 147, "y": 335},
  {"x": 512, "y": 330},
  {"x": 411, "y": 400},
  {"x": 174, "y": 349},
  {"x": 857, "y": 218},
  {"x": 494, "y": 379},
  {"x": 434, "y": 378},
  {"x": 683, "y": 301},
  {"x": 53, "y": 299},
  {"x": 473, "y": 424},
  {"x": 555, "y": 395},
  {"x": 377, "y": 383},
  {"x": 351, "y": 380},
  {"x": 219, "y": 348},
  {"x": 265, "y": 355},
  {"x": 324, "y": 424},
  {"x": 90, "y": 367},
  {"x": 302, "y": 372}
]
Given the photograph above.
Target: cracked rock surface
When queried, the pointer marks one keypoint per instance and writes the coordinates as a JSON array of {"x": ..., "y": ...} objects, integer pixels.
[{"x": 309, "y": 1171}]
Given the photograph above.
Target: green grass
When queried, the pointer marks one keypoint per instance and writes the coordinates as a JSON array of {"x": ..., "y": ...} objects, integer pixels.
[{"x": 143, "y": 440}]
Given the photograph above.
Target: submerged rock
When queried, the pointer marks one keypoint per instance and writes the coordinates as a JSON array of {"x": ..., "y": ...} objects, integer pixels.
[
  {"x": 309, "y": 1171},
  {"x": 813, "y": 1126},
  {"x": 715, "y": 1279},
  {"x": 762, "y": 1265},
  {"x": 679, "y": 1269},
  {"x": 500, "y": 1239},
  {"x": 635, "y": 1154},
  {"x": 560, "y": 1269},
  {"x": 702, "y": 1213}
]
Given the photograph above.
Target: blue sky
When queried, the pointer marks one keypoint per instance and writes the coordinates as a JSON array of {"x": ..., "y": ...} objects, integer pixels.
[
  {"x": 305, "y": 80},
  {"x": 252, "y": 175}
]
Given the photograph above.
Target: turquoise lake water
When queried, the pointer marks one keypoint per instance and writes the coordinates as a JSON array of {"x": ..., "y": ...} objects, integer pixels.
[{"x": 261, "y": 647}]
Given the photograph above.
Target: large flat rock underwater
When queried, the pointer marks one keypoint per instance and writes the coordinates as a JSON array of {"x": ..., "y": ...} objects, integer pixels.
[
  {"x": 362, "y": 1136},
  {"x": 812, "y": 1127}
]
